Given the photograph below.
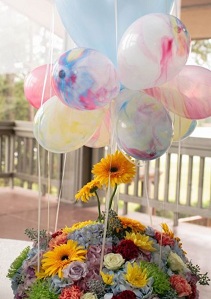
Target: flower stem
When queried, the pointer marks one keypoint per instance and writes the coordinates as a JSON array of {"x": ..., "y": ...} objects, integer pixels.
[
  {"x": 98, "y": 206},
  {"x": 112, "y": 197}
]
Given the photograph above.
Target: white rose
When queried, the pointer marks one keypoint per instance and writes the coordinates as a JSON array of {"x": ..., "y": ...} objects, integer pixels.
[
  {"x": 113, "y": 261},
  {"x": 89, "y": 296},
  {"x": 108, "y": 296},
  {"x": 176, "y": 263}
]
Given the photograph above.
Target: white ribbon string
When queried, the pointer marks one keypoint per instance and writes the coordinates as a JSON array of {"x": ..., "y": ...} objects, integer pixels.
[
  {"x": 60, "y": 192},
  {"x": 48, "y": 69}
]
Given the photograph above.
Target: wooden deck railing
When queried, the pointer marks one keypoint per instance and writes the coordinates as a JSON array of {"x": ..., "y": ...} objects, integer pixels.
[{"x": 180, "y": 181}]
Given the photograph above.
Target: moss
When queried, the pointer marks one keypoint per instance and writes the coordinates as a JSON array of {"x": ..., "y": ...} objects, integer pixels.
[
  {"x": 161, "y": 283},
  {"x": 41, "y": 290}
]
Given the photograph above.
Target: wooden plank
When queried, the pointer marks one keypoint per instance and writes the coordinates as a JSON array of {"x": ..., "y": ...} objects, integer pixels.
[
  {"x": 190, "y": 178},
  {"x": 191, "y": 3},
  {"x": 201, "y": 182}
]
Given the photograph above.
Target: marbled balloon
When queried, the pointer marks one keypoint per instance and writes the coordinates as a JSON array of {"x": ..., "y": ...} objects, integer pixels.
[
  {"x": 144, "y": 127},
  {"x": 85, "y": 79},
  {"x": 152, "y": 51}
]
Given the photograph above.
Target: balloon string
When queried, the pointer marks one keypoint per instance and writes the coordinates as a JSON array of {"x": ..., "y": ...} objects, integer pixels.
[
  {"x": 107, "y": 200},
  {"x": 113, "y": 147},
  {"x": 116, "y": 23},
  {"x": 50, "y": 55},
  {"x": 39, "y": 207},
  {"x": 60, "y": 192},
  {"x": 147, "y": 194},
  {"x": 48, "y": 192},
  {"x": 38, "y": 147},
  {"x": 178, "y": 175}
]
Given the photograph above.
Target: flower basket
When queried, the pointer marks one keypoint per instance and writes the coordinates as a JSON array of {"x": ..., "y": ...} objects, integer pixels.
[{"x": 114, "y": 257}]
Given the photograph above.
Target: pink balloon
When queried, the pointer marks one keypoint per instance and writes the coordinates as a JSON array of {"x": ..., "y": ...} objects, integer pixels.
[
  {"x": 188, "y": 94},
  {"x": 37, "y": 85}
]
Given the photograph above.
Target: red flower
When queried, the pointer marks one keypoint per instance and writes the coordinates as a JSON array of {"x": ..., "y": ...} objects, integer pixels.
[
  {"x": 72, "y": 292},
  {"x": 164, "y": 239},
  {"x": 181, "y": 286},
  {"x": 57, "y": 233},
  {"x": 195, "y": 292},
  {"x": 127, "y": 249},
  {"x": 125, "y": 295}
]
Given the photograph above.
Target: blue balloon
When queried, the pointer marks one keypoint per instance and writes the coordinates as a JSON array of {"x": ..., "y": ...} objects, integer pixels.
[{"x": 92, "y": 23}]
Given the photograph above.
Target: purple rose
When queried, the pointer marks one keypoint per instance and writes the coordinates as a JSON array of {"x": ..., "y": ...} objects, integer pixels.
[{"x": 75, "y": 271}]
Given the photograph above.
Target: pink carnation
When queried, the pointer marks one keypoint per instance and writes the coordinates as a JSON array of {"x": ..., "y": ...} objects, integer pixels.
[
  {"x": 181, "y": 286},
  {"x": 72, "y": 292},
  {"x": 57, "y": 240}
]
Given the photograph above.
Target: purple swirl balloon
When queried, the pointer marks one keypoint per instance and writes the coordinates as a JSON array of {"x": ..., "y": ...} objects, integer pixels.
[
  {"x": 144, "y": 127},
  {"x": 85, "y": 79}
]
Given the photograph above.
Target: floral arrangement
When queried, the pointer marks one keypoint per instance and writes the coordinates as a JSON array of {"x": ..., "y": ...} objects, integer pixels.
[{"x": 113, "y": 257}]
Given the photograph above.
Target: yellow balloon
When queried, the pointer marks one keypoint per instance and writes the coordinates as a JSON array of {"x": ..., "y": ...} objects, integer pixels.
[
  {"x": 181, "y": 126},
  {"x": 61, "y": 129}
]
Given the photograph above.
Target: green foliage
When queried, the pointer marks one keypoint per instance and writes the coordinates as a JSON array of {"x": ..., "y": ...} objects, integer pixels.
[
  {"x": 13, "y": 104},
  {"x": 203, "y": 279},
  {"x": 171, "y": 294},
  {"x": 161, "y": 283},
  {"x": 33, "y": 236},
  {"x": 201, "y": 49},
  {"x": 41, "y": 290},
  {"x": 17, "y": 263}
]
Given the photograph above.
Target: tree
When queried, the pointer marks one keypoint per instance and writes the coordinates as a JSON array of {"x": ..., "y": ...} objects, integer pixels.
[
  {"x": 13, "y": 105},
  {"x": 201, "y": 52}
]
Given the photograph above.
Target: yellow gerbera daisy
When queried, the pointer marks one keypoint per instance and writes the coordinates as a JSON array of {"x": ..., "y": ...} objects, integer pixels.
[
  {"x": 55, "y": 260},
  {"x": 77, "y": 226},
  {"x": 115, "y": 168},
  {"x": 88, "y": 191},
  {"x": 136, "y": 276},
  {"x": 135, "y": 225},
  {"x": 107, "y": 278},
  {"x": 142, "y": 241}
]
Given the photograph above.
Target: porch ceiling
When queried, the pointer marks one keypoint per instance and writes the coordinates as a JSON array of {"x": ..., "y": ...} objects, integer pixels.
[{"x": 195, "y": 14}]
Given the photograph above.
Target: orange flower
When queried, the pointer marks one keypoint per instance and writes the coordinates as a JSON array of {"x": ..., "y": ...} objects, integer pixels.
[
  {"x": 135, "y": 225},
  {"x": 58, "y": 240}
]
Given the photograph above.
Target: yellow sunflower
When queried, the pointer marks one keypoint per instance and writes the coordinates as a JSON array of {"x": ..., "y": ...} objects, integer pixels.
[
  {"x": 142, "y": 241},
  {"x": 55, "y": 260},
  {"x": 88, "y": 191},
  {"x": 135, "y": 225},
  {"x": 115, "y": 168}
]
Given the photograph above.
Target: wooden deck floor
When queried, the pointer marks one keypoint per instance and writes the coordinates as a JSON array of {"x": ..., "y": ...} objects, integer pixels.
[{"x": 19, "y": 210}]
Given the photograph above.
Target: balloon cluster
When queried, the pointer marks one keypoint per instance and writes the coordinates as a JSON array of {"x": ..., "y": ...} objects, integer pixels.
[{"x": 143, "y": 90}]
